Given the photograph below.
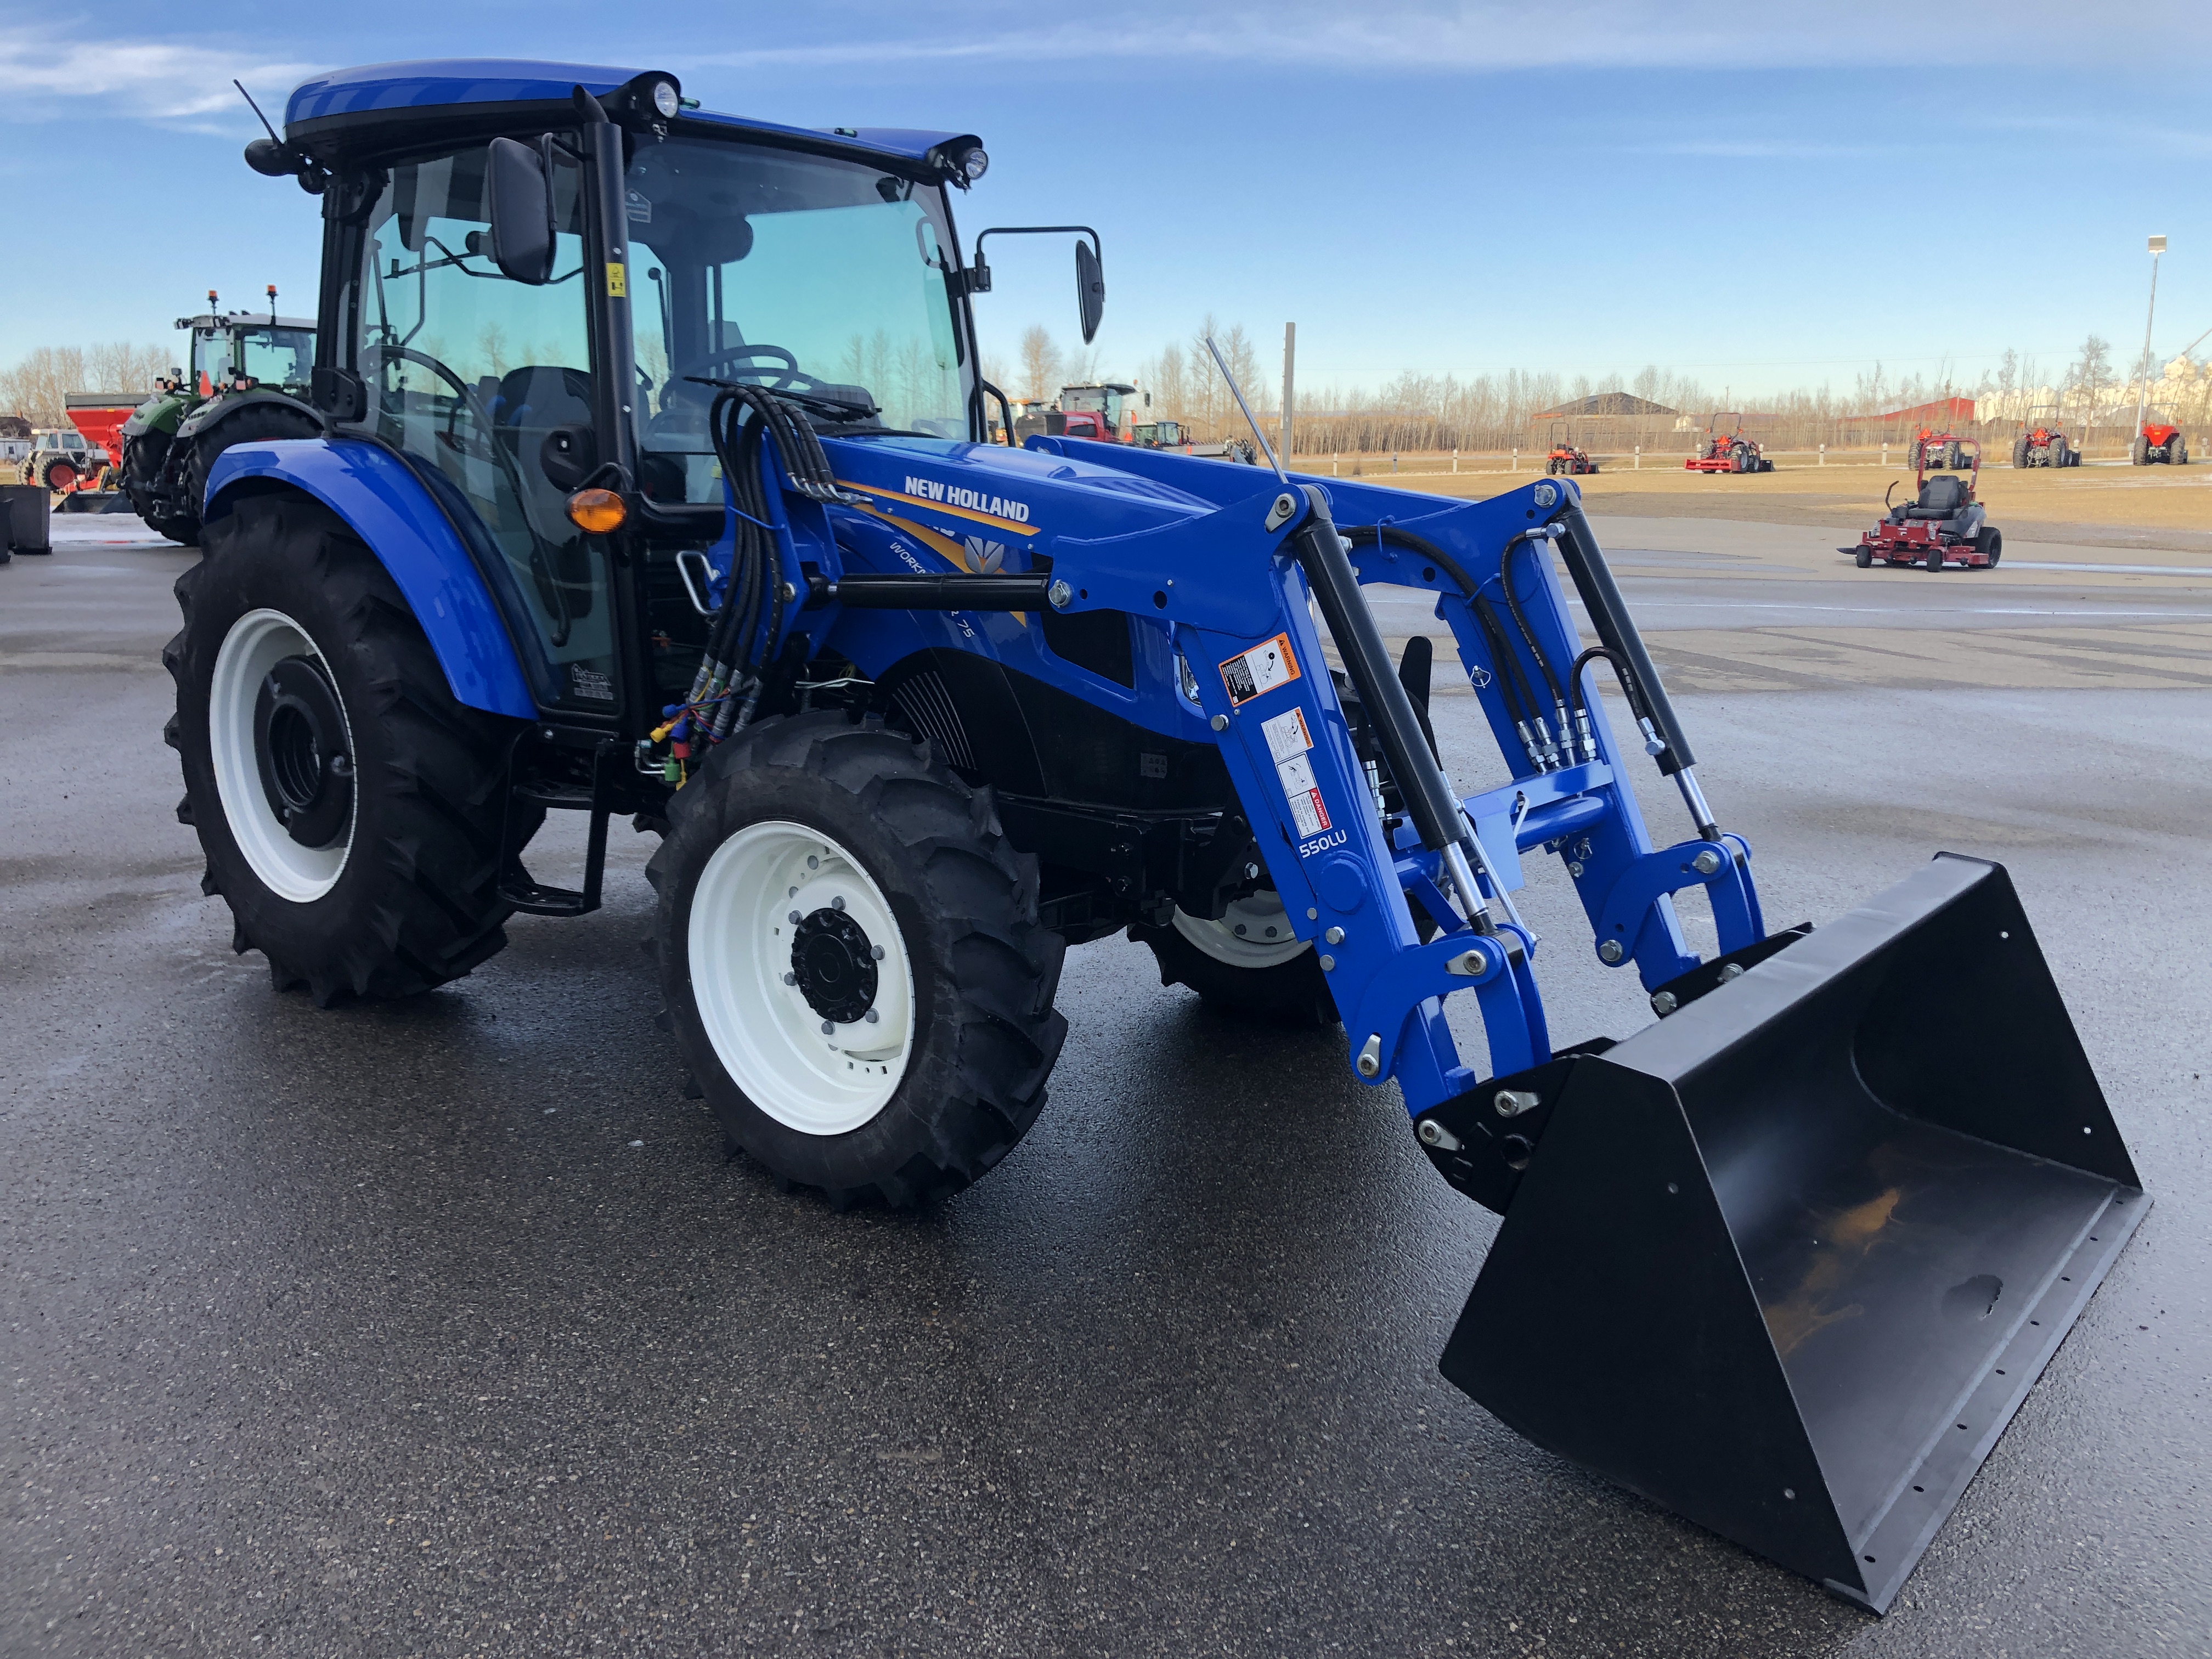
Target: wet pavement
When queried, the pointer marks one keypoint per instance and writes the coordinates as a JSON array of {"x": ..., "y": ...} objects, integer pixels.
[{"x": 443, "y": 1328}]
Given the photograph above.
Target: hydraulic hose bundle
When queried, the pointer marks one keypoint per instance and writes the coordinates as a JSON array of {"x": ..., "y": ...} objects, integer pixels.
[{"x": 747, "y": 627}]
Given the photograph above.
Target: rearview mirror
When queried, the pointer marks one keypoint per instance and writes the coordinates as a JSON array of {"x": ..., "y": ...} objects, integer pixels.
[
  {"x": 1090, "y": 290},
  {"x": 521, "y": 200}
]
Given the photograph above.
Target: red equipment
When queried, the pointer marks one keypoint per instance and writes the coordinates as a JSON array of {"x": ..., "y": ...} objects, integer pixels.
[
  {"x": 1092, "y": 411},
  {"x": 1729, "y": 452},
  {"x": 100, "y": 415},
  {"x": 2044, "y": 444},
  {"x": 2159, "y": 441},
  {"x": 1945, "y": 522},
  {"x": 1566, "y": 457},
  {"x": 1938, "y": 449}
]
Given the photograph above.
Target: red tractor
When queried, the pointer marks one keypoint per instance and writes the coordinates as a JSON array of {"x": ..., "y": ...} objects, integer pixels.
[
  {"x": 1567, "y": 458},
  {"x": 2044, "y": 444},
  {"x": 1935, "y": 450},
  {"x": 1943, "y": 524},
  {"x": 2159, "y": 441},
  {"x": 1095, "y": 412},
  {"x": 1729, "y": 452}
]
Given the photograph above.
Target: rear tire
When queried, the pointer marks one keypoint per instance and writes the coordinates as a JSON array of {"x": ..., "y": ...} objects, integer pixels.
[
  {"x": 255, "y": 423},
  {"x": 58, "y": 474},
  {"x": 144, "y": 458},
  {"x": 1247, "y": 974},
  {"x": 2139, "y": 451},
  {"x": 2178, "y": 452},
  {"x": 403, "y": 894},
  {"x": 2019, "y": 452},
  {"x": 1992, "y": 543},
  {"x": 877, "y": 848}
]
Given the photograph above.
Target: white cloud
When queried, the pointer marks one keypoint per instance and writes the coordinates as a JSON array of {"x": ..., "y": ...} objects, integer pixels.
[
  {"x": 156, "y": 81},
  {"x": 1475, "y": 36}
]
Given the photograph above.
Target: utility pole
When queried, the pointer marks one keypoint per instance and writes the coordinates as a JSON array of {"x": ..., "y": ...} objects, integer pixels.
[
  {"x": 1290, "y": 386},
  {"x": 2143, "y": 386}
]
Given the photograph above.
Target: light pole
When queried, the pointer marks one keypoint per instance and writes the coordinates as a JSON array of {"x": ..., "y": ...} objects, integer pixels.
[{"x": 2143, "y": 386}]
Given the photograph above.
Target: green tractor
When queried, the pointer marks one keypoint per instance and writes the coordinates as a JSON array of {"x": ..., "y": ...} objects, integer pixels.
[{"x": 245, "y": 380}]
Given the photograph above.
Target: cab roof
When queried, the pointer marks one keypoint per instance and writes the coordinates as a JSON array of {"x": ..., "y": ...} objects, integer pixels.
[{"x": 333, "y": 110}]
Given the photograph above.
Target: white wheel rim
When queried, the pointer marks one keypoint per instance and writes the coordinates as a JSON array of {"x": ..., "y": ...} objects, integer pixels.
[
  {"x": 257, "y": 643},
  {"x": 767, "y": 1035},
  {"x": 1254, "y": 931}
]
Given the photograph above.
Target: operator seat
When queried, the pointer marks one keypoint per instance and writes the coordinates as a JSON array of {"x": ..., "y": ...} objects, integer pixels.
[{"x": 1943, "y": 496}]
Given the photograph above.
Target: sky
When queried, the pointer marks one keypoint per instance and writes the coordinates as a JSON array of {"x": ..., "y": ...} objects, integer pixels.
[{"x": 1766, "y": 197}]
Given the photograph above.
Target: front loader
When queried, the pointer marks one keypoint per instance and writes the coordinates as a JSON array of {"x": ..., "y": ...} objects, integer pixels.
[{"x": 655, "y": 483}]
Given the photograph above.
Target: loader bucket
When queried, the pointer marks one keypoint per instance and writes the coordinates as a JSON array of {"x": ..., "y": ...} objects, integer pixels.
[{"x": 1787, "y": 1261}]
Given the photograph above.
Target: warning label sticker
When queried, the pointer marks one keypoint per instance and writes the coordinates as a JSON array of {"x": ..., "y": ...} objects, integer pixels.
[
  {"x": 1250, "y": 674},
  {"x": 1307, "y": 808},
  {"x": 1286, "y": 734}
]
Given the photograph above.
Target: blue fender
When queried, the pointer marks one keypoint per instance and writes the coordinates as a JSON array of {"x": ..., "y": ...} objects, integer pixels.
[{"x": 388, "y": 508}]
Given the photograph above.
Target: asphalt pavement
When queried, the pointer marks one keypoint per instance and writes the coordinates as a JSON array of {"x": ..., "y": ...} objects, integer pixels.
[{"x": 444, "y": 1327}]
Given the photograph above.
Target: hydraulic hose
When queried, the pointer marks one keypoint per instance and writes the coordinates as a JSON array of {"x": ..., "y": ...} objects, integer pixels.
[
  {"x": 1522, "y": 710},
  {"x": 1535, "y": 650}
]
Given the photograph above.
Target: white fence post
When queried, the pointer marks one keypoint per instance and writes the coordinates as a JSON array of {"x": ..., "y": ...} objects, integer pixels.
[
  {"x": 1516, "y": 466},
  {"x": 1823, "y": 461},
  {"x": 1454, "y": 460},
  {"x": 1638, "y": 467}
]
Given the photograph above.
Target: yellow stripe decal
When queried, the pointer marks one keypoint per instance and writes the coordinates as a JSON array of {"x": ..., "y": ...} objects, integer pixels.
[{"x": 939, "y": 507}]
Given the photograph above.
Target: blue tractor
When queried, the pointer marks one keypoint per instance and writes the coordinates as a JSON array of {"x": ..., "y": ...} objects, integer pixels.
[{"x": 655, "y": 481}]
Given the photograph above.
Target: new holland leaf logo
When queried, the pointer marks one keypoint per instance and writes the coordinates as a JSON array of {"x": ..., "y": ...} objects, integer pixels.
[{"x": 983, "y": 557}]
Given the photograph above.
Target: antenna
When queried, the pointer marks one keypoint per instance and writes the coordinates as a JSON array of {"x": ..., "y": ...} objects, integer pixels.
[
  {"x": 1235, "y": 392},
  {"x": 255, "y": 108}
]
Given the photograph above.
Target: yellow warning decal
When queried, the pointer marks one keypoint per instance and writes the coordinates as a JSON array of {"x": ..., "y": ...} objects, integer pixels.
[{"x": 617, "y": 280}]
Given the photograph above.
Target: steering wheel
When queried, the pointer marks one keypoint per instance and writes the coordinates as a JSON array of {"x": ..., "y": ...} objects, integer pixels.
[
  {"x": 549, "y": 591},
  {"x": 485, "y": 448},
  {"x": 782, "y": 381}
]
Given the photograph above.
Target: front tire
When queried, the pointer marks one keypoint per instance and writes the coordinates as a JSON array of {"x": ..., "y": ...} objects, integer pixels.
[
  {"x": 349, "y": 807},
  {"x": 895, "y": 1039},
  {"x": 1249, "y": 965},
  {"x": 1865, "y": 557}
]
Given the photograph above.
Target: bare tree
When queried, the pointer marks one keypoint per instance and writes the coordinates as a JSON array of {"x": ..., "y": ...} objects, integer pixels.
[
  {"x": 37, "y": 386},
  {"x": 2088, "y": 376},
  {"x": 1039, "y": 361}
]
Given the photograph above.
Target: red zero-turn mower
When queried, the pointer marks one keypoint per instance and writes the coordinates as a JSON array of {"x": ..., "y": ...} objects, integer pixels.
[{"x": 1943, "y": 524}]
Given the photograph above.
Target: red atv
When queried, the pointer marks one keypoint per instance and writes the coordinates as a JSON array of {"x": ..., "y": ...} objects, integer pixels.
[
  {"x": 1943, "y": 524},
  {"x": 1565, "y": 458},
  {"x": 2159, "y": 441}
]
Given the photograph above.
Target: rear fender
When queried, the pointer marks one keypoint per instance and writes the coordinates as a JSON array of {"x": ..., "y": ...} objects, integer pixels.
[
  {"x": 215, "y": 411},
  {"x": 387, "y": 506}
]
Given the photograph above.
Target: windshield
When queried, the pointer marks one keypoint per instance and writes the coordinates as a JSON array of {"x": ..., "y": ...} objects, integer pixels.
[
  {"x": 280, "y": 357},
  {"x": 801, "y": 273}
]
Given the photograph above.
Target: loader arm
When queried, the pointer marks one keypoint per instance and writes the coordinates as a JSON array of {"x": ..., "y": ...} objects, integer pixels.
[{"x": 1241, "y": 605}]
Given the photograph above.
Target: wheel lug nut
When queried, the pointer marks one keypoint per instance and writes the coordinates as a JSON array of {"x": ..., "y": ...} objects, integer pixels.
[
  {"x": 827, "y": 1028},
  {"x": 876, "y": 952},
  {"x": 837, "y": 903},
  {"x": 791, "y": 979},
  {"x": 795, "y": 918},
  {"x": 873, "y": 1016}
]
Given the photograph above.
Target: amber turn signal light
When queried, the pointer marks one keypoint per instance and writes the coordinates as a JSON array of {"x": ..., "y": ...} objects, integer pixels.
[{"x": 597, "y": 512}]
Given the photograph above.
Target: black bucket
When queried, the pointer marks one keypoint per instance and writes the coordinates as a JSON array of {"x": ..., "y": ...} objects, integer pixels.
[{"x": 1787, "y": 1261}]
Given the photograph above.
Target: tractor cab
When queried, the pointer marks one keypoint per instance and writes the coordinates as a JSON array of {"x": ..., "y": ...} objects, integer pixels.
[
  {"x": 239, "y": 350},
  {"x": 1100, "y": 411}
]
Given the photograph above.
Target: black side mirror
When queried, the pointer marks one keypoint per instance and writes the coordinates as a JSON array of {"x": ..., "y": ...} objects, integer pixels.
[
  {"x": 521, "y": 192},
  {"x": 1090, "y": 290}
]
